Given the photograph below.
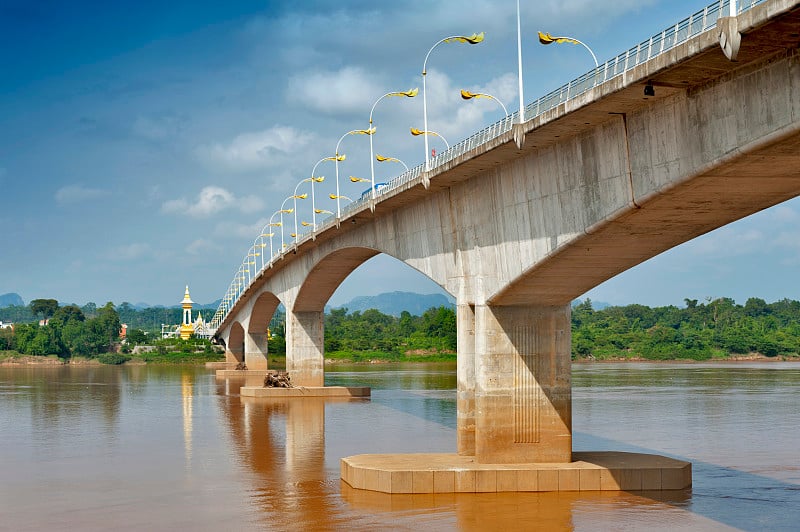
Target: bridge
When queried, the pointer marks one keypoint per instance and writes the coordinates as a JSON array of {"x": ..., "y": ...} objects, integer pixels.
[{"x": 682, "y": 134}]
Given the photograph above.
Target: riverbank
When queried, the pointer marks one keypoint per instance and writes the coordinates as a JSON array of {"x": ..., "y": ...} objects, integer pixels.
[
  {"x": 10, "y": 358},
  {"x": 754, "y": 357}
]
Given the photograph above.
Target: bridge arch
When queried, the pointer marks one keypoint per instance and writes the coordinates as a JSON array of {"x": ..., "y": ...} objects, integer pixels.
[
  {"x": 330, "y": 271},
  {"x": 234, "y": 349},
  {"x": 326, "y": 276},
  {"x": 263, "y": 310}
]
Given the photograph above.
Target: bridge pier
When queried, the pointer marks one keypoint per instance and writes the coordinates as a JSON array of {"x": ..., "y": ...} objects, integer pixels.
[
  {"x": 523, "y": 395},
  {"x": 465, "y": 393},
  {"x": 305, "y": 348},
  {"x": 255, "y": 351}
]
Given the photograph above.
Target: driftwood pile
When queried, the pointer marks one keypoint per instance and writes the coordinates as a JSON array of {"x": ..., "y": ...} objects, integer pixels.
[
  {"x": 279, "y": 379},
  {"x": 241, "y": 366}
]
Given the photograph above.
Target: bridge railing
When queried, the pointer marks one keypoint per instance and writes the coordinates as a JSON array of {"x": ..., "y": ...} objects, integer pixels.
[{"x": 662, "y": 42}]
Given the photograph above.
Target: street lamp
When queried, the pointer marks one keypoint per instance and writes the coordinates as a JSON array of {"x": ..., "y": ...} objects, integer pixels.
[
  {"x": 320, "y": 179},
  {"x": 408, "y": 94},
  {"x": 475, "y": 38},
  {"x": 381, "y": 159},
  {"x": 271, "y": 234},
  {"x": 255, "y": 246},
  {"x": 467, "y": 95},
  {"x": 416, "y": 132},
  {"x": 546, "y": 38},
  {"x": 296, "y": 197},
  {"x": 336, "y": 196},
  {"x": 283, "y": 211}
]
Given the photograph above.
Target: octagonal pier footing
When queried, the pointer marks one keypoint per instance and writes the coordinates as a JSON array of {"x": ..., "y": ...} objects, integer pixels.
[{"x": 452, "y": 473}]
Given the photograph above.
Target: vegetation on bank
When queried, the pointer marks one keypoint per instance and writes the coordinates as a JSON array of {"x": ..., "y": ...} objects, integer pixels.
[
  {"x": 67, "y": 333},
  {"x": 714, "y": 329}
]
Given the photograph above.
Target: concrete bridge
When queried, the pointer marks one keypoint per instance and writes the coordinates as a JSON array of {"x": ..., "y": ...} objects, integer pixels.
[{"x": 517, "y": 226}]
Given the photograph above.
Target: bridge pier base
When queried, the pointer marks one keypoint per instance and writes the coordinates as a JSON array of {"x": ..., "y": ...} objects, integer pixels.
[
  {"x": 255, "y": 351},
  {"x": 305, "y": 341},
  {"x": 523, "y": 395},
  {"x": 515, "y": 423}
]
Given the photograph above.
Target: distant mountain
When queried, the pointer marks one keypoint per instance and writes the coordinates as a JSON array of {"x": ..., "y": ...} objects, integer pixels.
[
  {"x": 7, "y": 300},
  {"x": 394, "y": 303},
  {"x": 197, "y": 306},
  {"x": 596, "y": 305}
]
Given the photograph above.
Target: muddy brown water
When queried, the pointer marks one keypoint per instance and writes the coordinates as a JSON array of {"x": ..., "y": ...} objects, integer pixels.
[{"x": 170, "y": 448}]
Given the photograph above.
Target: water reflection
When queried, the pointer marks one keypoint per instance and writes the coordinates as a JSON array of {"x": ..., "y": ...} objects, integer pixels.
[
  {"x": 282, "y": 441},
  {"x": 187, "y": 393}
]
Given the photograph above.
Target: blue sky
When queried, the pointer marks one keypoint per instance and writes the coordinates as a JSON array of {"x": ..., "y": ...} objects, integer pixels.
[{"x": 144, "y": 144}]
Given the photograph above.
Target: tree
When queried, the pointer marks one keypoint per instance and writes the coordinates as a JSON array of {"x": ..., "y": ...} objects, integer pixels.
[
  {"x": 67, "y": 313},
  {"x": 137, "y": 337},
  {"x": 108, "y": 323},
  {"x": 6, "y": 339},
  {"x": 44, "y": 307}
]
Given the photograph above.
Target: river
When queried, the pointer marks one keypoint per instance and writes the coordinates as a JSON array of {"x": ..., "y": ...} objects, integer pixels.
[{"x": 168, "y": 448}]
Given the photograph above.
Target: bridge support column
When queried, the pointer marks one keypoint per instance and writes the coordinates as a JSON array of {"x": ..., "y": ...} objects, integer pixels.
[
  {"x": 305, "y": 335},
  {"x": 255, "y": 350},
  {"x": 523, "y": 394},
  {"x": 232, "y": 357},
  {"x": 465, "y": 316}
]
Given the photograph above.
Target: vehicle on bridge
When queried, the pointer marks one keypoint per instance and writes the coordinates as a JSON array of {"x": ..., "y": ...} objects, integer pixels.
[{"x": 377, "y": 187}]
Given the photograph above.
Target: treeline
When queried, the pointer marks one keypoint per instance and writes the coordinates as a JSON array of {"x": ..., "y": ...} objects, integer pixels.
[
  {"x": 702, "y": 330},
  {"x": 715, "y": 329},
  {"x": 147, "y": 319},
  {"x": 67, "y": 333},
  {"x": 372, "y": 333}
]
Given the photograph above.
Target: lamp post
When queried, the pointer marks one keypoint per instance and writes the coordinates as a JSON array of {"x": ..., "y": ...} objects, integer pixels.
[
  {"x": 270, "y": 224},
  {"x": 258, "y": 244},
  {"x": 475, "y": 38},
  {"x": 354, "y": 179},
  {"x": 546, "y": 38},
  {"x": 320, "y": 179},
  {"x": 408, "y": 94},
  {"x": 416, "y": 132},
  {"x": 336, "y": 196},
  {"x": 467, "y": 95},
  {"x": 296, "y": 197},
  {"x": 251, "y": 254},
  {"x": 284, "y": 211},
  {"x": 381, "y": 159},
  {"x": 519, "y": 69}
]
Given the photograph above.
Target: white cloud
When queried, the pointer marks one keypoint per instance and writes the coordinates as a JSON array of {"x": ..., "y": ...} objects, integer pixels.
[
  {"x": 259, "y": 149},
  {"x": 78, "y": 193},
  {"x": 785, "y": 214},
  {"x": 201, "y": 246},
  {"x": 455, "y": 118},
  {"x": 211, "y": 200},
  {"x": 230, "y": 229},
  {"x": 729, "y": 242},
  {"x": 348, "y": 90},
  {"x": 129, "y": 252}
]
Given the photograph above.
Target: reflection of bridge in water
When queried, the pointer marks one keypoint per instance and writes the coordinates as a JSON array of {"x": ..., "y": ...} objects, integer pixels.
[
  {"x": 660, "y": 145},
  {"x": 282, "y": 441}
]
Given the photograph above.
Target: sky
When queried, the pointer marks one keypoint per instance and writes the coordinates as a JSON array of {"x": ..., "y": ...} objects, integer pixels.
[{"x": 143, "y": 145}]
